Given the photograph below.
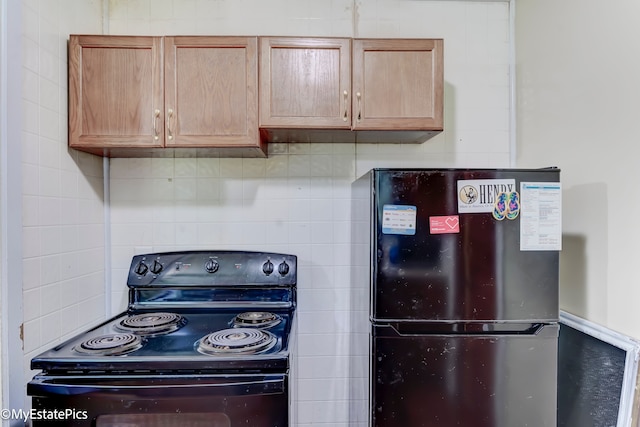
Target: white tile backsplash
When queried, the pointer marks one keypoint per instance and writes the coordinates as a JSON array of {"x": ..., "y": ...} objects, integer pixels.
[{"x": 61, "y": 189}]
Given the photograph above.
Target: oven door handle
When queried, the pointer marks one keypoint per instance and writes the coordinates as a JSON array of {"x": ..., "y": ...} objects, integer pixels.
[{"x": 159, "y": 386}]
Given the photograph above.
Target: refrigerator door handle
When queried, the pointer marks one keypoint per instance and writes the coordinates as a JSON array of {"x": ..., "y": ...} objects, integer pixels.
[{"x": 408, "y": 329}]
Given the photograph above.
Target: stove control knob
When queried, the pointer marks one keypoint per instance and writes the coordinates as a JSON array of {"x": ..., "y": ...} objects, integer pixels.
[
  {"x": 267, "y": 268},
  {"x": 141, "y": 268},
  {"x": 283, "y": 268},
  {"x": 212, "y": 266},
  {"x": 156, "y": 268}
]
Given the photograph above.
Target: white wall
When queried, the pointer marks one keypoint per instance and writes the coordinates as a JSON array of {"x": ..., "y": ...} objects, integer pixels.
[
  {"x": 62, "y": 190},
  {"x": 578, "y": 63},
  {"x": 298, "y": 200}
]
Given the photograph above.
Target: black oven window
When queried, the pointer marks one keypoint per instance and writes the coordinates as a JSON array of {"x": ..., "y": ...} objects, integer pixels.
[{"x": 164, "y": 420}]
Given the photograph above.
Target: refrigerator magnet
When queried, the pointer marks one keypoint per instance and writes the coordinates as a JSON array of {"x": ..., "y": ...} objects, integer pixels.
[
  {"x": 399, "y": 219},
  {"x": 480, "y": 195},
  {"x": 444, "y": 224}
]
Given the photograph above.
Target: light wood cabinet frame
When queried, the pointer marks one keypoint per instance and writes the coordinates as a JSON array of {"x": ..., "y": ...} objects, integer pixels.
[
  {"x": 155, "y": 96},
  {"x": 115, "y": 92},
  {"x": 211, "y": 91},
  {"x": 305, "y": 82},
  {"x": 398, "y": 84},
  {"x": 230, "y": 96}
]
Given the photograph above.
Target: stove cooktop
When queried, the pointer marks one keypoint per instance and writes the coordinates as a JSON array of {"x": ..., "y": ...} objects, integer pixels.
[
  {"x": 182, "y": 339},
  {"x": 192, "y": 311}
]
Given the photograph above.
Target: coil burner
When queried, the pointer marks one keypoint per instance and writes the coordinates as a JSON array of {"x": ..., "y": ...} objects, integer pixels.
[
  {"x": 256, "y": 319},
  {"x": 110, "y": 345},
  {"x": 236, "y": 341},
  {"x": 151, "y": 323}
]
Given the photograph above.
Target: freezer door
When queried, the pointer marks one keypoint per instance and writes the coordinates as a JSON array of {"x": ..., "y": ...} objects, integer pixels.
[
  {"x": 464, "y": 380},
  {"x": 475, "y": 271}
]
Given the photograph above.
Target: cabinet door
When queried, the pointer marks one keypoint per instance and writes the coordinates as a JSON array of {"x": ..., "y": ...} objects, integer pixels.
[
  {"x": 397, "y": 84},
  {"x": 211, "y": 91},
  {"x": 115, "y": 92},
  {"x": 305, "y": 82}
]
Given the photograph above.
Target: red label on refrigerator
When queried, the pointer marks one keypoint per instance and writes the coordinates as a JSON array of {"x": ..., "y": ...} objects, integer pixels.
[{"x": 444, "y": 224}]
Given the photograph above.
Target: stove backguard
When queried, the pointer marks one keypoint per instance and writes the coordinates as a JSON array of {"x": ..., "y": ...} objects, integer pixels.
[{"x": 212, "y": 279}]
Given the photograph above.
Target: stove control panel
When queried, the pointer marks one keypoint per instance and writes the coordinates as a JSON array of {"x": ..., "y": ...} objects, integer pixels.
[{"x": 212, "y": 268}]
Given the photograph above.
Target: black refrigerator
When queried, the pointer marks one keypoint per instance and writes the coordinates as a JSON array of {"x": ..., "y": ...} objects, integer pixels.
[{"x": 463, "y": 295}]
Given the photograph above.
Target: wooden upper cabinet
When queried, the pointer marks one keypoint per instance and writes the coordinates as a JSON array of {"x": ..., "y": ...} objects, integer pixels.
[
  {"x": 211, "y": 91},
  {"x": 115, "y": 92},
  {"x": 386, "y": 90},
  {"x": 305, "y": 82},
  {"x": 139, "y": 96},
  {"x": 398, "y": 84},
  {"x": 130, "y": 95}
]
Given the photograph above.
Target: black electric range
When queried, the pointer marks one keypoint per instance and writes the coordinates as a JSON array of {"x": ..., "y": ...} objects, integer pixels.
[{"x": 208, "y": 335}]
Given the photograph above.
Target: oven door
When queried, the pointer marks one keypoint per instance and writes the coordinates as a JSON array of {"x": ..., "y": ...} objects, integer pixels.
[{"x": 160, "y": 400}]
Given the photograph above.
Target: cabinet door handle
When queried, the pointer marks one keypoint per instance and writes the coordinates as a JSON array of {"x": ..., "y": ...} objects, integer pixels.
[
  {"x": 156, "y": 116},
  {"x": 359, "y": 97},
  {"x": 169, "y": 117},
  {"x": 346, "y": 105}
]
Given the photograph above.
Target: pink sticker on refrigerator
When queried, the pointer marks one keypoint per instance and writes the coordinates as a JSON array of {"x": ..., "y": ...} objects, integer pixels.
[{"x": 444, "y": 224}]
